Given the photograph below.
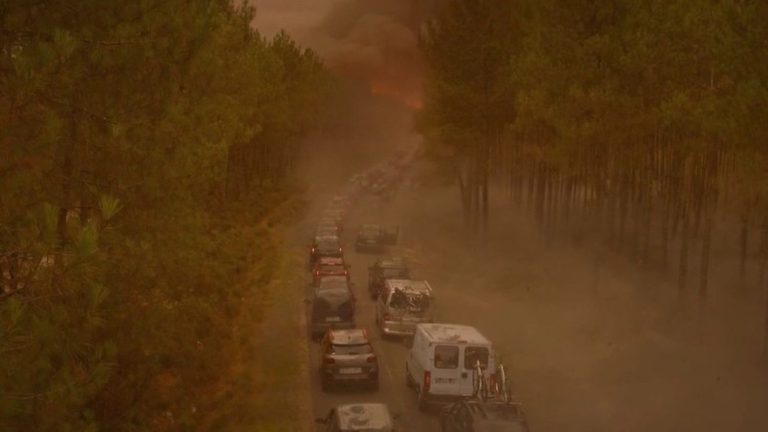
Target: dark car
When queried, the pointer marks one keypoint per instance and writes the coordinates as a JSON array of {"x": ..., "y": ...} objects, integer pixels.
[
  {"x": 333, "y": 306},
  {"x": 477, "y": 416},
  {"x": 367, "y": 417},
  {"x": 348, "y": 358},
  {"x": 383, "y": 269},
  {"x": 329, "y": 266},
  {"x": 375, "y": 238},
  {"x": 325, "y": 246}
]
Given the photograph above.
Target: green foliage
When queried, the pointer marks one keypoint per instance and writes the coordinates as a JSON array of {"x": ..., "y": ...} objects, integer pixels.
[{"x": 122, "y": 246}]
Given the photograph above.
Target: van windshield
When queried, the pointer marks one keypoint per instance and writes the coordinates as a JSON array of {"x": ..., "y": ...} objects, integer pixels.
[
  {"x": 474, "y": 354},
  {"x": 409, "y": 301}
]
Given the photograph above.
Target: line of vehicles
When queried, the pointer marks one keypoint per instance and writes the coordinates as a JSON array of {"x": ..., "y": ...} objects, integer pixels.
[{"x": 448, "y": 365}]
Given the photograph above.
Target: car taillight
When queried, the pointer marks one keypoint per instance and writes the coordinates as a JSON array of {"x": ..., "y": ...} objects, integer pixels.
[
  {"x": 371, "y": 359},
  {"x": 329, "y": 360},
  {"x": 427, "y": 380},
  {"x": 313, "y": 250},
  {"x": 317, "y": 273}
]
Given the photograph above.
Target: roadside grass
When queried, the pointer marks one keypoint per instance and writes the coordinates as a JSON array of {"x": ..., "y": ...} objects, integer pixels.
[
  {"x": 283, "y": 402},
  {"x": 265, "y": 388}
]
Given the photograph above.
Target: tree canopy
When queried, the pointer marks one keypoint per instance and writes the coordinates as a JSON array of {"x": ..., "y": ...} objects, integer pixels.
[
  {"x": 645, "y": 118},
  {"x": 136, "y": 138}
]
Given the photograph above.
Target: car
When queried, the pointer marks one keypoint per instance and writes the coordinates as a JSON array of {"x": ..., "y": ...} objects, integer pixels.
[
  {"x": 375, "y": 238},
  {"x": 333, "y": 306},
  {"x": 471, "y": 415},
  {"x": 367, "y": 417},
  {"x": 325, "y": 246},
  {"x": 402, "y": 305},
  {"x": 333, "y": 214},
  {"x": 330, "y": 229},
  {"x": 330, "y": 220},
  {"x": 348, "y": 358},
  {"x": 329, "y": 266},
  {"x": 340, "y": 202},
  {"x": 383, "y": 269},
  {"x": 441, "y": 362}
]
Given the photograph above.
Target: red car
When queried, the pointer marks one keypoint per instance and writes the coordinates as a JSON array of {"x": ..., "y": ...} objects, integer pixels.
[{"x": 329, "y": 266}]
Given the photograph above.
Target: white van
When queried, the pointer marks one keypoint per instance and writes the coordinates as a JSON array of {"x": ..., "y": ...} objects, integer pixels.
[{"x": 441, "y": 361}]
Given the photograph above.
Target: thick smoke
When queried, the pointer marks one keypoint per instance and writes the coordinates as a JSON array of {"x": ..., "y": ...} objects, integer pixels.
[{"x": 374, "y": 41}]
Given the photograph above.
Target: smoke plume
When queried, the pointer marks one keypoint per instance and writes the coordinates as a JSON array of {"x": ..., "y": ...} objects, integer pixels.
[{"x": 374, "y": 41}]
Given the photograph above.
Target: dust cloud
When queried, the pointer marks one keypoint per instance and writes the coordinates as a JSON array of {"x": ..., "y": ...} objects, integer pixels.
[
  {"x": 371, "y": 41},
  {"x": 595, "y": 342}
]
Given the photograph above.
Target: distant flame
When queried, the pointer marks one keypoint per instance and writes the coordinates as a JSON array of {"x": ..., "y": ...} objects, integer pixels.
[{"x": 391, "y": 92}]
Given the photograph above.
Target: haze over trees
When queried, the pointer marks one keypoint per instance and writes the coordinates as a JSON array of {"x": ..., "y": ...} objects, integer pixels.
[
  {"x": 143, "y": 148},
  {"x": 645, "y": 120}
]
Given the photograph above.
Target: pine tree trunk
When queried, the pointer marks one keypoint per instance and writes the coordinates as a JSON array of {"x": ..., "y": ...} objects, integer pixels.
[
  {"x": 743, "y": 245},
  {"x": 765, "y": 329},
  {"x": 683, "y": 267},
  {"x": 666, "y": 215},
  {"x": 705, "y": 252}
]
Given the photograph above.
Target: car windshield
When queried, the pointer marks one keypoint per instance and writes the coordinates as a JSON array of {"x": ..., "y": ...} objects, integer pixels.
[
  {"x": 334, "y": 302},
  {"x": 334, "y": 283},
  {"x": 352, "y": 349},
  {"x": 326, "y": 230},
  {"x": 328, "y": 245},
  {"x": 334, "y": 269}
]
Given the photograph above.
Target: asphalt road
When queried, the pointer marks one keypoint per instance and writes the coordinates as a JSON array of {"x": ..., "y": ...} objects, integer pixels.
[{"x": 391, "y": 352}]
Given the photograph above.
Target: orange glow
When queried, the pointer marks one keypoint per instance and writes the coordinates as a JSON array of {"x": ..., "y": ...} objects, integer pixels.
[{"x": 391, "y": 92}]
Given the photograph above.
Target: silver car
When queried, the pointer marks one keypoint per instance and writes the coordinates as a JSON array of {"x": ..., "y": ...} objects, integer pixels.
[
  {"x": 367, "y": 417},
  {"x": 403, "y": 303},
  {"x": 348, "y": 358}
]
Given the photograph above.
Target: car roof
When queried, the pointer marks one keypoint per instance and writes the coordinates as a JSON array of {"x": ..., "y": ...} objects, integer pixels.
[
  {"x": 394, "y": 262},
  {"x": 370, "y": 227},
  {"x": 410, "y": 286},
  {"x": 348, "y": 336},
  {"x": 453, "y": 333},
  {"x": 364, "y": 416},
  {"x": 327, "y": 238},
  {"x": 333, "y": 280}
]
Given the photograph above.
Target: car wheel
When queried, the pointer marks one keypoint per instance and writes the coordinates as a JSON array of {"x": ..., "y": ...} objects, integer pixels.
[
  {"x": 375, "y": 385},
  {"x": 325, "y": 385},
  {"x": 408, "y": 380},
  {"x": 422, "y": 401}
]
